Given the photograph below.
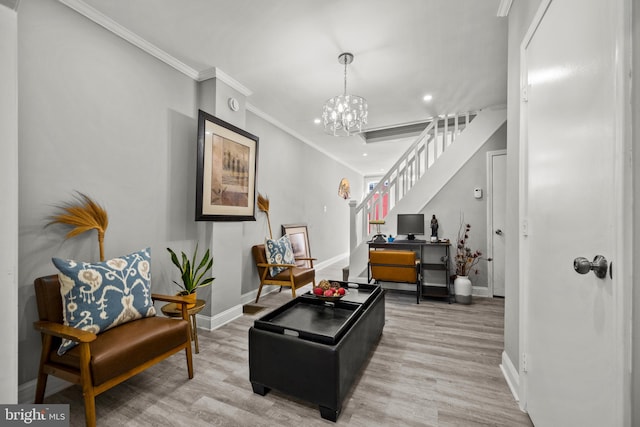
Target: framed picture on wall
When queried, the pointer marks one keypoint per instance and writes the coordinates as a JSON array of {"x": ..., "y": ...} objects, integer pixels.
[
  {"x": 226, "y": 171},
  {"x": 299, "y": 238}
]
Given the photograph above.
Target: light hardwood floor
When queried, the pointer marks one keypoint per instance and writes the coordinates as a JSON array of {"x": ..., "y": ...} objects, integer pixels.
[{"x": 435, "y": 365}]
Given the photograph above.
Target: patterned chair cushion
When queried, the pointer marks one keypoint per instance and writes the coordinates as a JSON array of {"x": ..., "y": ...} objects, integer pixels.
[
  {"x": 100, "y": 296},
  {"x": 278, "y": 252}
]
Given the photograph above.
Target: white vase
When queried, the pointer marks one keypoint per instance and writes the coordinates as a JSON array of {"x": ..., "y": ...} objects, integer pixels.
[{"x": 462, "y": 289}]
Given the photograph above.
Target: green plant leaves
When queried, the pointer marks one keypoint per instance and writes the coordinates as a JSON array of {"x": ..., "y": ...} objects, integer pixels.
[{"x": 193, "y": 279}]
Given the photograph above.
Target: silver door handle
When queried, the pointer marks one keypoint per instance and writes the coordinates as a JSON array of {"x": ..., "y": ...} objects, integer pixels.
[
  {"x": 599, "y": 266},
  {"x": 499, "y": 232}
]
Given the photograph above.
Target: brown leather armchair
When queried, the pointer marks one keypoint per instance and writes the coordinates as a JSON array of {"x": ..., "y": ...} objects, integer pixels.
[
  {"x": 103, "y": 361},
  {"x": 293, "y": 276}
]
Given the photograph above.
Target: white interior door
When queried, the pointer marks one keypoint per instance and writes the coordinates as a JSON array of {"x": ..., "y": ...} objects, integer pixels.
[
  {"x": 497, "y": 186},
  {"x": 573, "y": 121}
]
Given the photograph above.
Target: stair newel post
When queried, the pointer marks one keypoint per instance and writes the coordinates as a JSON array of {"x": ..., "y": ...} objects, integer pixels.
[{"x": 353, "y": 235}]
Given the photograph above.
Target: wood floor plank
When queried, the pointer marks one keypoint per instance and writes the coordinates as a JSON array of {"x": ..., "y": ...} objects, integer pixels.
[{"x": 437, "y": 364}]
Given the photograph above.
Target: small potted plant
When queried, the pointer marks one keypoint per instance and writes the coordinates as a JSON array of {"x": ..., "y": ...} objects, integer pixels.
[
  {"x": 192, "y": 273},
  {"x": 466, "y": 259}
]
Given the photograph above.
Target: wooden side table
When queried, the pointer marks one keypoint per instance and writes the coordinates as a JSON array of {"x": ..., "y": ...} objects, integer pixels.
[{"x": 174, "y": 310}]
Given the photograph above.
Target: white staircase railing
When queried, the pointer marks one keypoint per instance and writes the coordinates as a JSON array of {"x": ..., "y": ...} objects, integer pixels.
[{"x": 440, "y": 133}]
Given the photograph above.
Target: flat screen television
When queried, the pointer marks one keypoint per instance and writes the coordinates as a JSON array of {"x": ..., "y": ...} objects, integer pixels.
[{"x": 410, "y": 225}]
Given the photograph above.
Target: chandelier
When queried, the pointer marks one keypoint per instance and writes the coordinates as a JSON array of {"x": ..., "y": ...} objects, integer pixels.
[{"x": 344, "y": 115}]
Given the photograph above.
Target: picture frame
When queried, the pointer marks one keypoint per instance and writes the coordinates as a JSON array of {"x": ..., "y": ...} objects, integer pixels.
[
  {"x": 299, "y": 237},
  {"x": 226, "y": 171}
]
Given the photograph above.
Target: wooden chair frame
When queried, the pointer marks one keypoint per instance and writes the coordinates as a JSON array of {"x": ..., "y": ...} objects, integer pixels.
[
  {"x": 83, "y": 377},
  {"x": 291, "y": 278}
]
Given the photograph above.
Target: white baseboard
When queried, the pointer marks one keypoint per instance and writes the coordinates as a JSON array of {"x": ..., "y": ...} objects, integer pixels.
[
  {"x": 481, "y": 291},
  {"x": 330, "y": 261},
  {"x": 511, "y": 375},
  {"x": 250, "y": 297},
  {"x": 210, "y": 323}
]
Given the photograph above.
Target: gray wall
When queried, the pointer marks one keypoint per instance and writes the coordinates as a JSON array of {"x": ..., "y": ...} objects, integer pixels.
[
  {"x": 457, "y": 197},
  {"x": 99, "y": 116},
  {"x": 9, "y": 205},
  {"x": 299, "y": 182},
  {"x": 520, "y": 17},
  {"x": 635, "y": 105}
]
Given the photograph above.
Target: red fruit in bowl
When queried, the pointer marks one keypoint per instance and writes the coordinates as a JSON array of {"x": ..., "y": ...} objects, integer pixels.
[
  {"x": 318, "y": 291},
  {"x": 328, "y": 293},
  {"x": 341, "y": 291}
]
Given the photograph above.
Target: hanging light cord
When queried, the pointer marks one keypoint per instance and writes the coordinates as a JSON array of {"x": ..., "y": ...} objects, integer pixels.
[{"x": 345, "y": 76}]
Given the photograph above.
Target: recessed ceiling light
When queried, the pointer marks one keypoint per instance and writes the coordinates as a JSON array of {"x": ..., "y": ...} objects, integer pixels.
[
  {"x": 427, "y": 98},
  {"x": 316, "y": 121},
  {"x": 364, "y": 154}
]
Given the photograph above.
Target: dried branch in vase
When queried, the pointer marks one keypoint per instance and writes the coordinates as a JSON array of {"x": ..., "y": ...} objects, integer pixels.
[
  {"x": 83, "y": 214},
  {"x": 263, "y": 206},
  {"x": 466, "y": 258}
]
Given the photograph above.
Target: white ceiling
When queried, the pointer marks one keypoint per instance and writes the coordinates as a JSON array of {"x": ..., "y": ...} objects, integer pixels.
[{"x": 286, "y": 53}]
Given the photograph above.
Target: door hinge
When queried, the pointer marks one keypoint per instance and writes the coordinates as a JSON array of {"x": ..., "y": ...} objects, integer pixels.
[
  {"x": 525, "y": 94},
  {"x": 523, "y": 362}
]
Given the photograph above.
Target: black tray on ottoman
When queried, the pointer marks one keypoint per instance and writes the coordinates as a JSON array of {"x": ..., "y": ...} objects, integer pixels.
[{"x": 313, "y": 349}]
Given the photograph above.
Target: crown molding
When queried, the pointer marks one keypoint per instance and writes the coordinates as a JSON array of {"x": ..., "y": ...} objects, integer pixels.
[
  {"x": 252, "y": 108},
  {"x": 11, "y": 4},
  {"x": 99, "y": 18},
  {"x": 217, "y": 73},
  {"x": 503, "y": 8},
  {"x": 110, "y": 25}
]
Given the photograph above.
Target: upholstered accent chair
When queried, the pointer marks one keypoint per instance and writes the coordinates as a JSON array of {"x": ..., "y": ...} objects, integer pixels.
[
  {"x": 292, "y": 276},
  {"x": 100, "y": 362},
  {"x": 390, "y": 265}
]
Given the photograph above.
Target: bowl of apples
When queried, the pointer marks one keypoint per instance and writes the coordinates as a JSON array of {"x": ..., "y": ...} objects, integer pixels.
[{"x": 329, "y": 291}]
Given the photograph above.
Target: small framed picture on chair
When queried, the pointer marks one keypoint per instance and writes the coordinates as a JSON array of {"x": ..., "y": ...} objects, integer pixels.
[{"x": 299, "y": 237}]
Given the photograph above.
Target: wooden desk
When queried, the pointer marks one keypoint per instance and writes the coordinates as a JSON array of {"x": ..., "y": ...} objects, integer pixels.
[
  {"x": 422, "y": 248},
  {"x": 174, "y": 310}
]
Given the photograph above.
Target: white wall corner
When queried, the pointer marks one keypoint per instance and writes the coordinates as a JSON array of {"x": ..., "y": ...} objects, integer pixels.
[
  {"x": 217, "y": 73},
  {"x": 511, "y": 375},
  {"x": 503, "y": 8},
  {"x": 210, "y": 323},
  {"x": 11, "y": 4}
]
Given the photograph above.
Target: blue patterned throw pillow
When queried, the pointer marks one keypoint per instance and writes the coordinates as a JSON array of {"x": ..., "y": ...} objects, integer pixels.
[
  {"x": 100, "y": 296},
  {"x": 279, "y": 252}
]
